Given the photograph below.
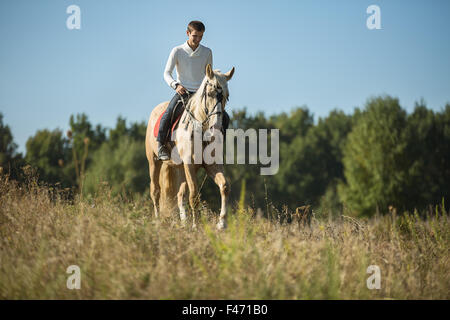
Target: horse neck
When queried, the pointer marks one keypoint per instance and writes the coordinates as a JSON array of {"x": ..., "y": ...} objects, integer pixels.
[{"x": 197, "y": 106}]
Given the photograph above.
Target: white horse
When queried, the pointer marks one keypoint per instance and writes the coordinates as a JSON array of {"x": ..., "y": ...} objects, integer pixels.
[{"x": 203, "y": 110}]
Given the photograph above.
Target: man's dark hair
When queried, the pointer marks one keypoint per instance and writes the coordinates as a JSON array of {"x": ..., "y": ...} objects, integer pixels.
[{"x": 196, "y": 25}]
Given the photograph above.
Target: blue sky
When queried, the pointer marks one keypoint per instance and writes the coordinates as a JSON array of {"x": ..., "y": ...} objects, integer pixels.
[{"x": 286, "y": 53}]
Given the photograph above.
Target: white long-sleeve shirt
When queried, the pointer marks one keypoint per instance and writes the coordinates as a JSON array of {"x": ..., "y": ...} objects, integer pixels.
[{"x": 190, "y": 66}]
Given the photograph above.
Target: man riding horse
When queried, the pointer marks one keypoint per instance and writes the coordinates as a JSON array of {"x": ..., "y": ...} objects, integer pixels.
[{"x": 190, "y": 60}]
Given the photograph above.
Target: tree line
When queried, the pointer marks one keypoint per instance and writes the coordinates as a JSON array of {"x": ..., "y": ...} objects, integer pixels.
[{"x": 377, "y": 158}]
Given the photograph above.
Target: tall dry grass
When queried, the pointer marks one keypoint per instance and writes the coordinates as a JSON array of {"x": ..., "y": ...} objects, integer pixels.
[{"x": 124, "y": 252}]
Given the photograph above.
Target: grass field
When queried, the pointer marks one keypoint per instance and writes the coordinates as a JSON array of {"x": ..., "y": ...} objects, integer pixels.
[{"x": 125, "y": 253}]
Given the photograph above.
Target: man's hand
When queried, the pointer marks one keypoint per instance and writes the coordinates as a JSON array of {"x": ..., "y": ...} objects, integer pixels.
[{"x": 180, "y": 89}]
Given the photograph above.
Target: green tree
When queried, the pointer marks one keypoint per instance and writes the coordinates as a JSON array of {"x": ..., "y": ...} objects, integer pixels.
[
  {"x": 292, "y": 125},
  {"x": 48, "y": 152},
  {"x": 311, "y": 162},
  {"x": 10, "y": 160},
  {"x": 327, "y": 140},
  {"x": 120, "y": 161},
  {"x": 136, "y": 131},
  {"x": 124, "y": 168},
  {"x": 80, "y": 129},
  {"x": 442, "y": 154},
  {"x": 429, "y": 139},
  {"x": 375, "y": 158},
  {"x": 84, "y": 141}
]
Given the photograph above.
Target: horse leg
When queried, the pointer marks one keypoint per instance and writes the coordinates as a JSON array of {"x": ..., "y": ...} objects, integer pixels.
[
  {"x": 216, "y": 172},
  {"x": 155, "y": 190},
  {"x": 181, "y": 203},
  {"x": 180, "y": 180},
  {"x": 166, "y": 185},
  {"x": 190, "y": 173}
]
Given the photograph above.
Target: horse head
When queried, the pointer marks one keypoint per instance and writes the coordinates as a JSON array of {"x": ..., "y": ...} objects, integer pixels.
[{"x": 214, "y": 96}]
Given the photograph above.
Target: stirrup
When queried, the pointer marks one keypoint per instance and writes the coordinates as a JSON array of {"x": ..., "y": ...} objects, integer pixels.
[{"x": 163, "y": 154}]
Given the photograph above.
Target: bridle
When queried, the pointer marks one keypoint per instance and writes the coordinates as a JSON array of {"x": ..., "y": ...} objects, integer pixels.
[{"x": 219, "y": 99}]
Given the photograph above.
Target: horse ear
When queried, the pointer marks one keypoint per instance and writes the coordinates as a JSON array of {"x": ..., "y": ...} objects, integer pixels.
[
  {"x": 229, "y": 74},
  {"x": 209, "y": 71}
]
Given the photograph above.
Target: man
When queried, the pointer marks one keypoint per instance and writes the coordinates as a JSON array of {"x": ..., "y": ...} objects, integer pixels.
[{"x": 190, "y": 60}]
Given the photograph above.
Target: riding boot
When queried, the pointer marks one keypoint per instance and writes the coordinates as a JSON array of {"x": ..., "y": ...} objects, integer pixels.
[
  {"x": 174, "y": 109},
  {"x": 166, "y": 120},
  {"x": 163, "y": 153}
]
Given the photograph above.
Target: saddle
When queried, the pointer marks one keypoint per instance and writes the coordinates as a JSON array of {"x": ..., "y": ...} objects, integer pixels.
[{"x": 174, "y": 125}]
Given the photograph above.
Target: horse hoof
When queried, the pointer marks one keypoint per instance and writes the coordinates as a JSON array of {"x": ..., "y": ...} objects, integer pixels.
[
  {"x": 221, "y": 225},
  {"x": 183, "y": 217}
]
